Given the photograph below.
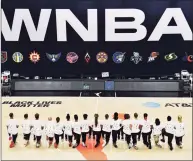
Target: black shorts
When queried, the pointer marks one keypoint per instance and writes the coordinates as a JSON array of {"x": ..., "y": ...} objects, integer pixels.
[{"x": 26, "y": 136}]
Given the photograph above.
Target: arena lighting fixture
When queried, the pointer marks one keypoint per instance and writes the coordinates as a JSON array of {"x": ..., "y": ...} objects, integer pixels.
[
  {"x": 152, "y": 78},
  {"x": 37, "y": 77},
  {"x": 26, "y": 77},
  {"x": 49, "y": 78},
  {"x": 95, "y": 78}
]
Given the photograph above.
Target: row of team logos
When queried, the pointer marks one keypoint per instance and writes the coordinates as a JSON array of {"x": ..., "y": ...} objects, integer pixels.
[{"x": 101, "y": 57}]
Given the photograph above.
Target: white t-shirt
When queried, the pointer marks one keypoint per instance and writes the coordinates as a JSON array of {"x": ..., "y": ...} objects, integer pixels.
[
  {"x": 49, "y": 128},
  {"x": 68, "y": 128},
  {"x": 77, "y": 127},
  {"x": 85, "y": 125},
  {"x": 98, "y": 127},
  {"x": 58, "y": 128},
  {"x": 26, "y": 126},
  {"x": 107, "y": 125},
  {"x": 179, "y": 129},
  {"x": 126, "y": 126},
  {"x": 135, "y": 126},
  {"x": 169, "y": 127},
  {"x": 12, "y": 126},
  {"x": 37, "y": 127},
  {"x": 157, "y": 129},
  {"x": 116, "y": 124},
  {"x": 146, "y": 126}
]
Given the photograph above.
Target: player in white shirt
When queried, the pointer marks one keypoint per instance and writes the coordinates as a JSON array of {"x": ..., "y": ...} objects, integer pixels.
[
  {"x": 116, "y": 125},
  {"x": 127, "y": 126},
  {"x": 12, "y": 128},
  {"x": 157, "y": 131},
  {"x": 38, "y": 127},
  {"x": 77, "y": 131},
  {"x": 106, "y": 130},
  {"x": 169, "y": 131},
  {"x": 179, "y": 132},
  {"x": 49, "y": 129},
  {"x": 136, "y": 126},
  {"x": 85, "y": 127},
  {"x": 27, "y": 126},
  {"x": 96, "y": 126},
  {"x": 58, "y": 132},
  {"x": 146, "y": 131},
  {"x": 68, "y": 129}
]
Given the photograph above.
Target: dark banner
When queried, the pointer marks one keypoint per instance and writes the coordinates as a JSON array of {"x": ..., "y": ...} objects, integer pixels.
[{"x": 125, "y": 37}]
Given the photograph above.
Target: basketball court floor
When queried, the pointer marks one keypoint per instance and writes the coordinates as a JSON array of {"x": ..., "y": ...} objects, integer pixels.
[{"x": 100, "y": 106}]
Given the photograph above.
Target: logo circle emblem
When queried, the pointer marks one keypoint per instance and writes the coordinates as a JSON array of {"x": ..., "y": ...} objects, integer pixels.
[
  {"x": 17, "y": 57},
  {"x": 118, "y": 57},
  {"x": 72, "y": 57},
  {"x": 34, "y": 57},
  {"x": 102, "y": 57}
]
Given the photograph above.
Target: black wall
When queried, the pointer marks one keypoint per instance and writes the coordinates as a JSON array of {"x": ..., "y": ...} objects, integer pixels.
[{"x": 153, "y": 10}]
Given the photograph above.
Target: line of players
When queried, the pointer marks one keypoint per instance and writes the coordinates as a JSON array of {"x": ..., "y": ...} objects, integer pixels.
[{"x": 131, "y": 128}]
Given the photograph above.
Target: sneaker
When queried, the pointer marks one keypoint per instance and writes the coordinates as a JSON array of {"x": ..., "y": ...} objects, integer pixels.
[
  {"x": 115, "y": 145},
  {"x": 135, "y": 147},
  {"x": 163, "y": 140},
  {"x": 171, "y": 148},
  {"x": 12, "y": 144},
  {"x": 159, "y": 146},
  {"x": 55, "y": 145},
  {"x": 84, "y": 145},
  {"x": 129, "y": 146},
  {"x": 97, "y": 144},
  {"x": 180, "y": 146},
  {"x": 74, "y": 146}
]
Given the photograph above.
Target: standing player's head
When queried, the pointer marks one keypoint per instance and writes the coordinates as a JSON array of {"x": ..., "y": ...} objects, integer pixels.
[
  {"x": 106, "y": 116},
  {"x": 157, "y": 121},
  {"x": 57, "y": 119},
  {"x": 68, "y": 117},
  {"x": 85, "y": 116},
  {"x": 11, "y": 115},
  {"x": 96, "y": 116},
  {"x": 76, "y": 117},
  {"x": 169, "y": 118},
  {"x": 180, "y": 118},
  {"x": 126, "y": 116},
  {"x": 37, "y": 116},
  {"x": 26, "y": 116},
  {"x": 49, "y": 118},
  {"x": 145, "y": 115},
  {"x": 116, "y": 116},
  {"x": 135, "y": 115}
]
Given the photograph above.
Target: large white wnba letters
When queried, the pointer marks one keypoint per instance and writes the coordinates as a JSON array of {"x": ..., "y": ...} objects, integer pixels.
[
  {"x": 111, "y": 25},
  {"x": 162, "y": 27},
  {"x": 65, "y": 15},
  {"x": 23, "y": 15}
]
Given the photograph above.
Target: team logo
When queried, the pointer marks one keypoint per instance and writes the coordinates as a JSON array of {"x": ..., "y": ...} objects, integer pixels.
[
  {"x": 136, "y": 58},
  {"x": 118, "y": 57},
  {"x": 171, "y": 57},
  {"x": 72, "y": 57},
  {"x": 153, "y": 56},
  {"x": 102, "y": 57},
  {"x": 87, "y": 58},
  {"x": 53, "y": 57},
  {"x": 34, "y": 57},
  {"x": 188, "y": 58},
  {"x": 17, "y": 57},
  {"x": 3, "y": 56}
]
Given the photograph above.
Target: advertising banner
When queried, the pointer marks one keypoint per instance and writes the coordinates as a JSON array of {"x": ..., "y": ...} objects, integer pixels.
[{"x": 152, "y": 37}]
